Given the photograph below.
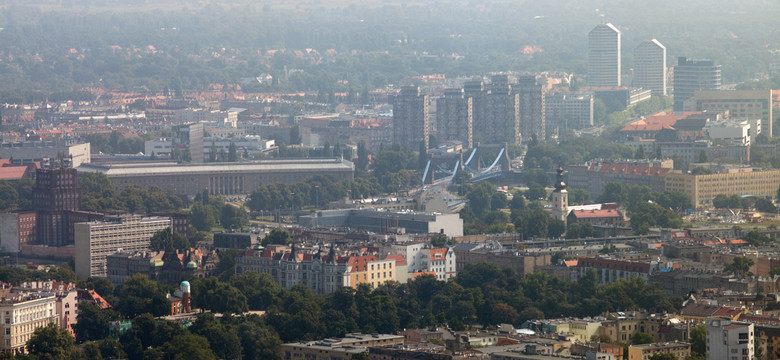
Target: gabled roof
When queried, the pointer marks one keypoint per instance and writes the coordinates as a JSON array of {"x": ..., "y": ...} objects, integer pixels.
[
  {"x": 601, "y": 213},
  {"x": 399, "y": 259},
  {"x": 662, "y": 120}
]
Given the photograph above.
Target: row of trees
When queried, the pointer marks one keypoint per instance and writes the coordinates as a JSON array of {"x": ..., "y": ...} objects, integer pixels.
[
  {"x": 481, "y": 294},
  {"x": 99, "y": 194}
]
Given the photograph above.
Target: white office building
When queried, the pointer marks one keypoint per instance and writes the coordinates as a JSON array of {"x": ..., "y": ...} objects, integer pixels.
[
  {"x": 650, "y": 67},
  {"x": 729, "y": 340},
  {"x": 604, "y": 56}
]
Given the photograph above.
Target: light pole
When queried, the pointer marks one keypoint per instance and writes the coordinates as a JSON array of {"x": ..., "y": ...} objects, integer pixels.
[{"x": 317, "y": 197}]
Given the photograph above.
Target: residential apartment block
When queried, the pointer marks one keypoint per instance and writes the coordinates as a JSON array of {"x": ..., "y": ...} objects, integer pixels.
[
  {"x": 410, "y": 118},
  {"x": 96, "y": 240},
  {"x": 609, "y": 270},
  {"x": 727, "y": 339},
  {"x": 646, "y": 351},
  {"x": 21, "y": 314},
  {"x": 531, "y": 107},
  {"x": 568, "y": 111},
  {"x": 455, "y": 117}
]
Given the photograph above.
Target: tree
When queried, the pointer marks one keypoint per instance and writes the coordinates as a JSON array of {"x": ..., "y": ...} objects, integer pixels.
[
  {"x": 202, "y": 217},
  {"x": 233, "y": 217},
  {"x": 722, "y": 201},
  {"x": 664, "y": 356},
  {"x": 740, "y": 266},
  {"x": 764, "y": 205},
  {"x": 642, "y": 338},
  {"x": 93, "y": 322},
  {"x": 362, "y": 157},
  {"x": 578, "y": 196},
  {"x": 580, "y": 230},
  {"x": 650, "y": 214},
  {"x": 556, "y": 228},
  {"x": 640, "y": 153},
  {"x": 167, "y": 240},
  {"x": 232, "y": 153},
  {"x": 535, "y": 192},
  {"x": 295, "y": 135},
  {"x": 140, "y": 295},
  {"x": 188, "y": 346},
  {"x": 703, "y": 157},
  {"x": 538, "y": 176},
  {"x": 49, "y": 342},
  {"x": 701, "y": 170},
  {"x": 698, "y": 339},
  {"x": 223, "y": 340},
  {"x": 277, "y": 237},
  {"x": 756, "y": 238}
]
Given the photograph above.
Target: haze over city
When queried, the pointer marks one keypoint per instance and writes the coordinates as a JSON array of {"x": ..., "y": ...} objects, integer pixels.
[{"x": 312, "y": 179}]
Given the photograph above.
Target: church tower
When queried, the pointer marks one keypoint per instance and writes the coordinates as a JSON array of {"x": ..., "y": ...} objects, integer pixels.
[{"x": 560, "y": 198}]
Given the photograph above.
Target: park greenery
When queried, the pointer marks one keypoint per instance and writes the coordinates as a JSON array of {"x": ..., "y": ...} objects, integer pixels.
[
  {"x": 481, "y": 294},
  {"x": 489, "y": 211}
]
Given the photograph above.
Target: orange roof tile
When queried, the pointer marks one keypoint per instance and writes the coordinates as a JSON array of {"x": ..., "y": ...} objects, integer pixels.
[{"x": 662, "y": 120}]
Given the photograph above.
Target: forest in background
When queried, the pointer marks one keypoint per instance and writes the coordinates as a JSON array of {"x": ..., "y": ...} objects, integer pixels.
[{"x": 66, "y": 45}]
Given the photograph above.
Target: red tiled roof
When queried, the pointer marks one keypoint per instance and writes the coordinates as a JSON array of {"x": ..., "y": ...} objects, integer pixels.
[
  {"x": 662, "y": 120},
  {"x": 438, "y": 254},
  {"x": 359, "y": 263},
  {"x": 12, "y": 172},
  {"x": 399, "y": 259}
]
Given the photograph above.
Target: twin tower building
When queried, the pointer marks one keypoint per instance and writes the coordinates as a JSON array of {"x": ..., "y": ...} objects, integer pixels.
[{"x": 649, "y": 68}]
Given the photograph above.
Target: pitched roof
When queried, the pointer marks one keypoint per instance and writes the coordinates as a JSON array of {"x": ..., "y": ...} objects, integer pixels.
[
  {"x": 661, "y": 120},
  {"x": 601, "y": 213},
  {"x": 399, "y": 259}
]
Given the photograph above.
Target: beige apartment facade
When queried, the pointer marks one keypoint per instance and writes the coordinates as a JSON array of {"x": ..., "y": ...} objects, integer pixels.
[
  {"x": 744, "y": 182},
  {"x": 20, "y": 315}
]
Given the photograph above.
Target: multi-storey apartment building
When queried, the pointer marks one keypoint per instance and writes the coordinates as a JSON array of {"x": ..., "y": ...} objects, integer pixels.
[
  {"x": 568, "y": 111},
  {"x": 531, "y": 107},
  {"x": 21, "y": 314},
  {"x": 646, "y": 351},
  {"x": 96, "y": 240},
  {"x": 727, "y": 339},
  {"x": 410, "y": 118},
  {"x": 16, "y": 230},
  {"x": 455, "y": 117},
  {"x": 609, "y": 270}
]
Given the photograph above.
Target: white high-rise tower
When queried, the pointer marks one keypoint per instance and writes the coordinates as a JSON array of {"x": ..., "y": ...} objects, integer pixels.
[
  {"x": 604, "y": 56},
  {"x": 650, "y": 66}
]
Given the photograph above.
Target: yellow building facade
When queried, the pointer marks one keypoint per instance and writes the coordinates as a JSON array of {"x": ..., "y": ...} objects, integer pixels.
[{"x": 703, "y": 188}]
